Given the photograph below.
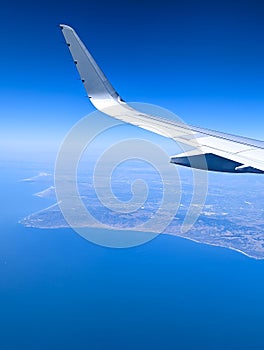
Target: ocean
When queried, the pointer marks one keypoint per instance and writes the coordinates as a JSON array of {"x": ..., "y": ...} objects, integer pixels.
[{"x": 59, "y": 291}]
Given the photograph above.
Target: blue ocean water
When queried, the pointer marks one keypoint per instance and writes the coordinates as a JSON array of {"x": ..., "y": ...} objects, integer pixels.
[{"x": 58, "y": 291}]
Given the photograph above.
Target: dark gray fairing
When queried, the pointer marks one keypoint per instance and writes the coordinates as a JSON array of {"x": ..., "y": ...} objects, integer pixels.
[{"x": 210, "y": 161}]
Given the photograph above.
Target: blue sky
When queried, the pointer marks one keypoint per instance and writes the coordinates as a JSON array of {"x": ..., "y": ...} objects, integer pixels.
[{"x": 201, "y": 59}]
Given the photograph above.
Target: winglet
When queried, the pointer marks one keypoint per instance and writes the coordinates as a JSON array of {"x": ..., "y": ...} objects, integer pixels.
[{"x": 96, "y": 84}]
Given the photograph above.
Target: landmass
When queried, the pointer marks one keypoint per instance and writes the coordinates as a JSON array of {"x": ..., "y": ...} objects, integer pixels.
[{"x": 232, "y": 217}]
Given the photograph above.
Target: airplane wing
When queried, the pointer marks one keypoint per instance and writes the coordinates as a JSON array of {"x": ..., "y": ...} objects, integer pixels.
[{"x": 222, "y": 152}]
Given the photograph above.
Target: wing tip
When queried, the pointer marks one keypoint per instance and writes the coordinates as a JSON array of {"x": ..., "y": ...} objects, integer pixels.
[{"x": 65, "y": 26}]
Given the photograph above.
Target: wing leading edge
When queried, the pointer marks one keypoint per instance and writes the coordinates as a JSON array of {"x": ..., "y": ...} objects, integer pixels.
[{"x": 222, "y": 152}]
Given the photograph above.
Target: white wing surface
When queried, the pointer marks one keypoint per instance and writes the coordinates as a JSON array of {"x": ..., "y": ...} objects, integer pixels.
[{"x": 222, "y": 152}]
